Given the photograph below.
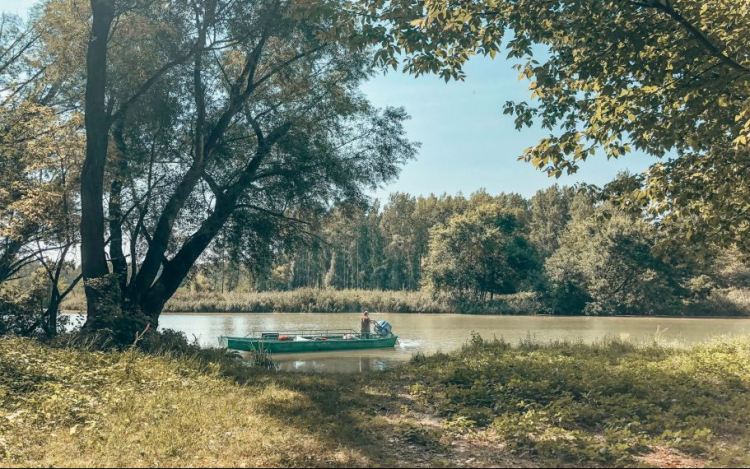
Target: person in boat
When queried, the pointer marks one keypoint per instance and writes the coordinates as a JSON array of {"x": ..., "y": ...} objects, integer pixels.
[{"x": 365, "y": 325}]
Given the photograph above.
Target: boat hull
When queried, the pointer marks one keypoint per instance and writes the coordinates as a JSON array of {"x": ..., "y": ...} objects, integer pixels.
[{"x": 290, "y": 346}]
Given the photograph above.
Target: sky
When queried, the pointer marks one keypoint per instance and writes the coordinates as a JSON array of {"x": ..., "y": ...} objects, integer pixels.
[
  {"x": 17, "y": 7},
  {"x": 467, "y": 142}
]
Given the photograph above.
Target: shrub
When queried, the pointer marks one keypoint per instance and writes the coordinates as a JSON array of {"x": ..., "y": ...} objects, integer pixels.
[
  {"x": 607, "y": 264},
  {"x": 21, "y": 311},
  {"x": 310, "y": 300},
  {"x": 605, "y": 403}
]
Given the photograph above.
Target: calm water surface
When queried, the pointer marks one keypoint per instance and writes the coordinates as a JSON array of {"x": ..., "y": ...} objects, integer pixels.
[{"x": 431, "y": 333}]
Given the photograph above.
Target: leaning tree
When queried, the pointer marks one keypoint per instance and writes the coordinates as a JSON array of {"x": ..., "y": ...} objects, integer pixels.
[{"x": 208, "y": 118}]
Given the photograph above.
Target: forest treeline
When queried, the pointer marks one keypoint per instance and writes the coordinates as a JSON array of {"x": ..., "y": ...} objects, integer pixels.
[{"x": 563, "y": 251}]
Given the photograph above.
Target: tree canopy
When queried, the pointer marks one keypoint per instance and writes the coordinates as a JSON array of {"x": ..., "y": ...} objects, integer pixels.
[
  {"x": 40, "y": 155},
  {"x": 225, "y": 121},
  {"x": 606, "y": 264},
  {"x": 479, "y": 253},
  {"x": 668, "y": 77}
]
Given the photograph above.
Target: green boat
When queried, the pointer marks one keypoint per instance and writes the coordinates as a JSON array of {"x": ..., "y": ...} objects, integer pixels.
[{"x": 308, "y": 341}]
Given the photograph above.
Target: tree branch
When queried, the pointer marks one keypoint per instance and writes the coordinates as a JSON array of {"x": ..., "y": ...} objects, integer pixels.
[
  {"x": 272, "y": 213},
  {"x": 196, "y": 48},
  {"x": 694, "y": 31}
]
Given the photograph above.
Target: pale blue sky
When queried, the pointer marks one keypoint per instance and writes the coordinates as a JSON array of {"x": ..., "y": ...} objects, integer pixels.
[
  {"x": 17, "y": 7},
  {"x": 467, "y": 142}
]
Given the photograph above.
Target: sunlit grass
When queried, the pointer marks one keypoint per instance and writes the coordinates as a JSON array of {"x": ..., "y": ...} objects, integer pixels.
[
  {"x": 489, "y": 404},
  {"x": 611, "y": 402},
  {"x": 75, "y": 408}
]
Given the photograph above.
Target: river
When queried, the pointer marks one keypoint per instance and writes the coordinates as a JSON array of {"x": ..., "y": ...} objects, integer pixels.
[{"x": 444, "y": 332}]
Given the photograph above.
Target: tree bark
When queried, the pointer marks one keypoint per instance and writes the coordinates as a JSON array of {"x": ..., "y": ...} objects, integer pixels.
[
  {"x": 50, "y": 315},
  {"x": 93, "y": 256},
  {"x": 176, "y": 270},
  {"x": 117, "y": 254}
]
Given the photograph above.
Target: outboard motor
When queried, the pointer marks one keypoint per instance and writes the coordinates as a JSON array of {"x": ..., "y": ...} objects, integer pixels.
[{"x": 383, "y": 329}]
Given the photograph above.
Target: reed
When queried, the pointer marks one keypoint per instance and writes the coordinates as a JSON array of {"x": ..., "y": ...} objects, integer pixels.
[
  {"x": 731, "y": 302},
  {"x": 311, "y": 300}
]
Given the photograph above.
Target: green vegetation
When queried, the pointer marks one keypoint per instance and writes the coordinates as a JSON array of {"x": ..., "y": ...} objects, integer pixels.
[
  {"x": 719, "y": 303},
  {"x": 490, "y": 404},
  {"x": 561, "y": 252},
  {"x": 608, "y": 266},
  {"x": 608, "y": 403},
  {"x": 666, "y": 77},
  {"x": 564, "y": 249},
  {"x": 310, "y": 300},
  {"x": 480, "y": 253},
  {"x": 216, "y": 156}
]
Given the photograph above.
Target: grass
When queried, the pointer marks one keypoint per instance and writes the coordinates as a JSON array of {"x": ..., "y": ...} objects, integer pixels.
[
  {"x": 489, "y": 404},
  {"x": 720, "y": 303},
  {"x": 311, "y": 300},
  {"x": 613, "y": 402}
]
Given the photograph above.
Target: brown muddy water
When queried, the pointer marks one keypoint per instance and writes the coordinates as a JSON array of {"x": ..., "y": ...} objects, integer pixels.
[{"x": 429, "y": 333}]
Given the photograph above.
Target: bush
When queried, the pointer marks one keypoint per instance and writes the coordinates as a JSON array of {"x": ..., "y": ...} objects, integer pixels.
[
  {"x": 720, "y": 302},
  {"x": 21, "y": 311},
  {"x": 606, "y": 265}
]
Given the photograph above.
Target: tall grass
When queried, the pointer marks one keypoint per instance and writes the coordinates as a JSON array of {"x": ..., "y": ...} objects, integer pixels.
[
  {"x": 614, "y": 402},
  {"x": 720, "y": 303},
  {"x": 311, "y": 300},
  {"x": 74, "y": 408}
]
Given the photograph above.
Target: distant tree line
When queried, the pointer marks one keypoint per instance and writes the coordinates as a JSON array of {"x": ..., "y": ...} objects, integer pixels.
[{"x": 580, "y": 253}]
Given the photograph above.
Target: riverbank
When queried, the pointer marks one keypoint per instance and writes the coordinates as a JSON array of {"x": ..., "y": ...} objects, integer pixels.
[
  {"x": 311, "y": 300},
  {"x": 721, "y": 303},
  {"x": 490, "y": 404}
]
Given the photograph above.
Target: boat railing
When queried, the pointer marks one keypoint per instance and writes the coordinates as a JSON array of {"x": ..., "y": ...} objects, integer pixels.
[{"x": 304, "y": 332}]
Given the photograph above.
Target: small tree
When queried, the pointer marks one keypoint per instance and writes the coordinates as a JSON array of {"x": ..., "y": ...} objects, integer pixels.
[
  {"x": 550, "y": 214},
  {"x": 480, "y": 252}
]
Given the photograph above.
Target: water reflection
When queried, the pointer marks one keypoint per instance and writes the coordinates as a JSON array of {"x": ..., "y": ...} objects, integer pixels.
[
  {"x": 432, "y": 333},
  {"x": 333, "y": 363}
]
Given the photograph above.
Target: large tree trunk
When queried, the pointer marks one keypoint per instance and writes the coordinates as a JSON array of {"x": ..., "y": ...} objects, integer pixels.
[
  {"x": 50, "y": 315},
  {"x": 176, "y": 270},
  {"x": 116, "y": 253},
  {"x": 93, "y": 257}
]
